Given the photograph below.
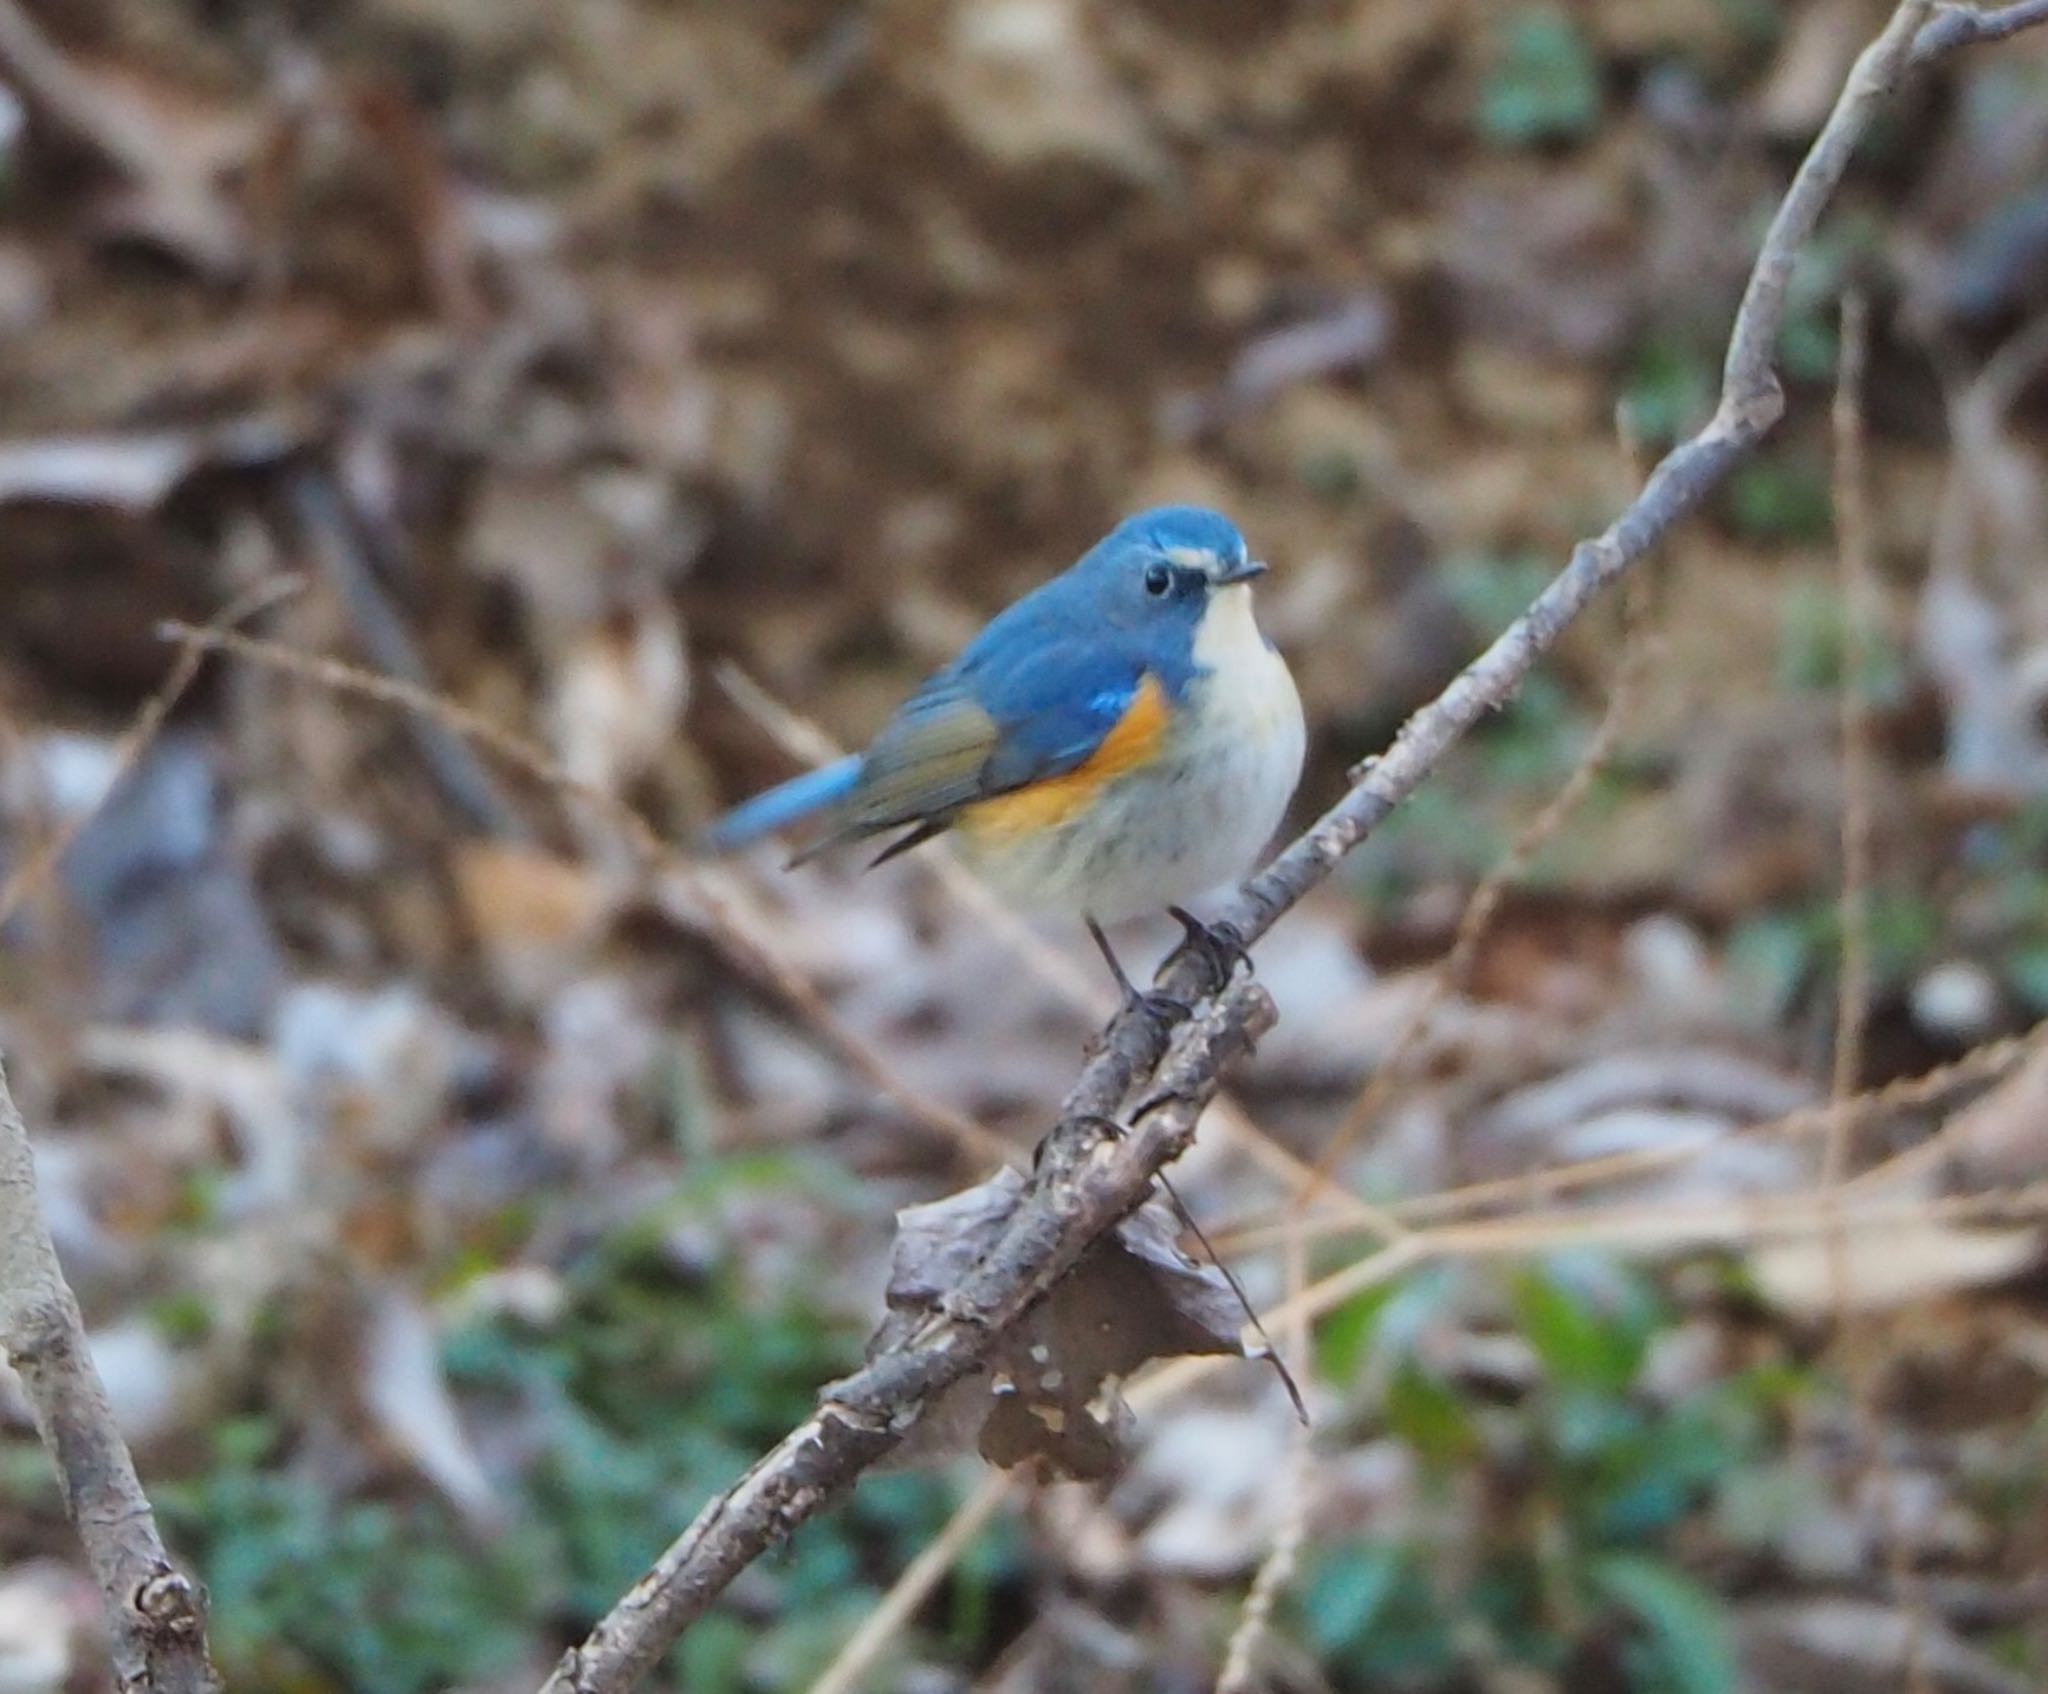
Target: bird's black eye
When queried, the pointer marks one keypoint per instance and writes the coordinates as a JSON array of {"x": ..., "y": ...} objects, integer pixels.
[{"x": 1158, "y": 580}]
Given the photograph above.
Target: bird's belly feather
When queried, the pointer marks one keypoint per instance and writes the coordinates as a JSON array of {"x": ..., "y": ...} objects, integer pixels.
[{"x": 1192, "y": 817}]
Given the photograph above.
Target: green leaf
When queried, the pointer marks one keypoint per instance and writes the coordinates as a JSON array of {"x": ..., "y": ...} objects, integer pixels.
[
  {"x": 1771, "y": 955},
  {"x": 2028, "y": 969},
  {"x": 1424, "y": 1413},
  {"x": 1345, "y": 1337},
  {"x": 1492, "y": 590},
  {"x": 1580, "y": 1346},
  {"x": 1686, "y": 1627},
  {"x": 1347, "y": 1592},
  {"x": 1781, "y": 499},
  {"x": 1670, "y": 391},
  {"x": 1543, "y": 87},
  {"x": 713, "y": 1654}
]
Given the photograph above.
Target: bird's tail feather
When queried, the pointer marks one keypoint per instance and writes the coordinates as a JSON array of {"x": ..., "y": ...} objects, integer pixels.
[{"x": 779, "y": 807}]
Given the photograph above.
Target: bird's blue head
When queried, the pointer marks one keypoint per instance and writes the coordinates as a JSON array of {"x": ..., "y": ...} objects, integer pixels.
[{"x": 1166, "y": 572}]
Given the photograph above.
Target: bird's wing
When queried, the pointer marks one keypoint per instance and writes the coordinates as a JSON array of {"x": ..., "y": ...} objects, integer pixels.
[{"x": 996, "y": 722}]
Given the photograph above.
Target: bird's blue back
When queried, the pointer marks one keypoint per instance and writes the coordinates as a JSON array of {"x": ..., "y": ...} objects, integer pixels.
[{"x": 1032, "y": 697}]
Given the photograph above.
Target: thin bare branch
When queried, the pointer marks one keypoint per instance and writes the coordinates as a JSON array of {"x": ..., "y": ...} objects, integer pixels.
[
  {"x": 1455, "y": 968},
  {"x": 1859, "y": 616},
  {"x": 148, "y": 724},
  {"x": 701, "y": 894},
  {"x": 1853, "y": 544},
  {"x": 1852, "y": 994},
  {"x": 1870, "y": 1110},
  {"x": 341, "y": 546},
  {"x": 156, "y": 1614},
  {"x": 914, "y": 1586},
  {"x": 1966, "y": 26},
  {"x": 67, "y": 102},
  {"x": 1238, "y": 1674}
]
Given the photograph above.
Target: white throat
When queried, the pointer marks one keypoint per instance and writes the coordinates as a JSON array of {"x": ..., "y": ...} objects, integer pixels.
[
  {"x": 1246, "y": 690},
  {"x": 1228, "y": 635}
]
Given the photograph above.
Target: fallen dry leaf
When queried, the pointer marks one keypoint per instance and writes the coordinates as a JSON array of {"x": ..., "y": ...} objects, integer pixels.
[
  {"x": 538, "y": 914},
  {"x": 1135, "y": 1296}
]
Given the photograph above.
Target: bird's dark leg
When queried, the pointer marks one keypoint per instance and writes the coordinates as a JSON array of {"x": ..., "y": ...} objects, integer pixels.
[
  {"x": 1217, "y": 945},
  {"x": 1162, "y": 1008}
]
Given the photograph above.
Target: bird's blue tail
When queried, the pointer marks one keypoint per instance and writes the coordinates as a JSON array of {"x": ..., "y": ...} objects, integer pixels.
[{"x": 779, "y": 807}]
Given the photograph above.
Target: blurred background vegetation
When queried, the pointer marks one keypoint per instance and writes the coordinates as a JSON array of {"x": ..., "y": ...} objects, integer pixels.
[{"x": 453, "y": 1216}]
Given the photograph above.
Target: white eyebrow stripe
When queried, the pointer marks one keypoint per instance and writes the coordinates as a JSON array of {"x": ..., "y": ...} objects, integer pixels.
[{"x": 1192, "y": 558}]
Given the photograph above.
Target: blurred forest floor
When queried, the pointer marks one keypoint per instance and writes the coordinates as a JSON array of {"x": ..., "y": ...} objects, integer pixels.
[{"x": 453, "y": 1217}]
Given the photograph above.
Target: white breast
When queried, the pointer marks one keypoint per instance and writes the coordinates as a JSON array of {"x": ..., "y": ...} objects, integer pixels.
[
  {"x": 1194, "y": 819},
  {"x": 1248, "y": 684}
]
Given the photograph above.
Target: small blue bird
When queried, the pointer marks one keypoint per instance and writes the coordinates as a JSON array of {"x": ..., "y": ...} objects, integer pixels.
[{"x": 1119, "y": 741}]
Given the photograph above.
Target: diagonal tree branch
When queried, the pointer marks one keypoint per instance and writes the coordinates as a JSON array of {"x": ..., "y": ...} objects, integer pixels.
[
  {"x": 1086, "y": 1181},
  {"x": 157, "y": 1614},
  {"x": 1083, "y": 1184}
]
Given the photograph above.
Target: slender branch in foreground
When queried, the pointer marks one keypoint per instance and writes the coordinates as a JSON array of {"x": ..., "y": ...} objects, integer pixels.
[
  {"x": 1084, "y": 1184},
  {"x": 157, "y": 1614}
]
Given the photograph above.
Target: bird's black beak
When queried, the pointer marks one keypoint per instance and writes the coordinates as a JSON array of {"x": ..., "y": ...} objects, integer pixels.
[{"x": 1242, "y": 572}]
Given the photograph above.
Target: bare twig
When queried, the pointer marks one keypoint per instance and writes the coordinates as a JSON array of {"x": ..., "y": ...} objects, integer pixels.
[
  {"x": 1965, "y": 26},
  {"x": 1751, "y": 403},
  {"x": 703, "y": 896},
  {"x": 1276, "y": 1569},
  {"x": 340, "y": 545},
  {"x": 122, "y": 137},
  {"x": 1072, "y": 1195},
  {"x": 1852, "y": 995},
  {"x": 1660, "y": 1229},
  {"x": 1852, "y": 529},
  {"x": 1452, "y": 972},
  {"x": 68, "y": 103},
  {"x": 156, "y": 1614},
  {"x": 914, "y": 1586},
  {"x": 141, "y": 733},
  {"x": 1875, "y": 1108},
  {"x": 1859, "y": 615}
]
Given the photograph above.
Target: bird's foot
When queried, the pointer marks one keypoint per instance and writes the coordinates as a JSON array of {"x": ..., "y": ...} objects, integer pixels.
[
  {"x": 1218, "y": 945},
  {"x": 1163, "y": 1009}
]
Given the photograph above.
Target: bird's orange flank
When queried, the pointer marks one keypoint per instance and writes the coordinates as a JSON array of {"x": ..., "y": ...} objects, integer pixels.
[{"x": 1131, "y": 745}]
